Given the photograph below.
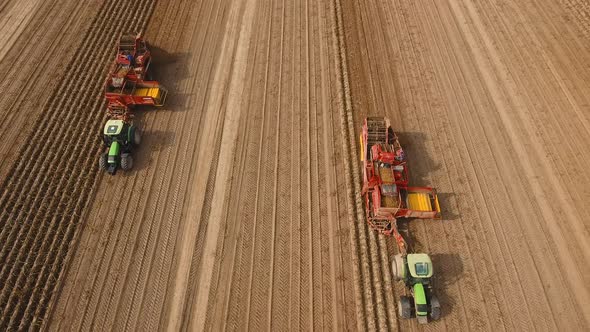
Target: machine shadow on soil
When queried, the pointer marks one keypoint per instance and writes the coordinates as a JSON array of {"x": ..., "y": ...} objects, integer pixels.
[
  {"x": 422, "y": 164},
  {"x": 448, "y": 205},
  {"x": 172, "y": 69},
  {"x": 445, "y": 280},
  {"x": 170, "y": 65},
  {"x": 155, "y": 141}
]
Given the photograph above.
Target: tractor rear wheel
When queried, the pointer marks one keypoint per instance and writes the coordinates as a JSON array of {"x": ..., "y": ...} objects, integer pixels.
[
  {"x": 102, "y": 161},
  {"x": 126, "y": 162},
  {"x": 136, "y": 136},
  {"x": 405, "y": 307},
  {"x": 434, "y": 308}
]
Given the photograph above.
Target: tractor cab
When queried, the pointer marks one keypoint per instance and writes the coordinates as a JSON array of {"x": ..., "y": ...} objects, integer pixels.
[
  {"x": 412, "y": 268},
  {"x": 116, "y": 130},
  {"x": 419, "y": 266}
]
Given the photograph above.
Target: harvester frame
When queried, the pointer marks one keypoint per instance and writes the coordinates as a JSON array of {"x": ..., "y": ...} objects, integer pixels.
[
  {"x": 385, "y": 189},
  {"x": 128, "y": 84}
]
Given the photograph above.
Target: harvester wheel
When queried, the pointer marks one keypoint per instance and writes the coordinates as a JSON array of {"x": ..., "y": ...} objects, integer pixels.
[
  {"x": 126, "y": 162},
  {"x": 434, "y": 308},
  {"x": 102, "y": 161},
  {"x": 405, "y": 307},
  {"x": 397, "y": 267}
]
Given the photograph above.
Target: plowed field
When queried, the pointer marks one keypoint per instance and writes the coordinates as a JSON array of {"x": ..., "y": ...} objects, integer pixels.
[
  {"x": 243, "y": 209},
  {"x": 491, "y": 98}
]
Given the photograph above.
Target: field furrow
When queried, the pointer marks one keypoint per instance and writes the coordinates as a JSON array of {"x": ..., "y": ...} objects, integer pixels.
[{"x": 244, "y": 207}]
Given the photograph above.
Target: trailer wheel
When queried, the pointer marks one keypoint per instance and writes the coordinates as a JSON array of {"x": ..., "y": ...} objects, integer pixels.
[
  {"x": 405, "y": 307},
  {"x": 434, "y": 308},
  {"x": 102, "y": 161},
  {"x": 126, "y": 162}
]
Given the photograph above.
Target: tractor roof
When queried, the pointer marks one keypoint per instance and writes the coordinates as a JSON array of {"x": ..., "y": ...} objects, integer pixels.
[
  {"x": 420, "y": 265},
  {"x": 113, "y": 127}
]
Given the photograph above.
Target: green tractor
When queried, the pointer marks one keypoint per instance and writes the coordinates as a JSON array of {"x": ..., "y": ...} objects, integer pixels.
[
  {"x": 119, "y": 137},
  {"x": 416, "y": 271}
]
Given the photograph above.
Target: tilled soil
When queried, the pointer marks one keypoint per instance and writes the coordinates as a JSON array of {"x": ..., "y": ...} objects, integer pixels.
[
  {"x": 47, "y": 188},
  {"x": 491, "y": 101},
  {"x": 243, "y": 208},
  {"x": 37, "y": 42},
  {"x": 236, "y": 205}
]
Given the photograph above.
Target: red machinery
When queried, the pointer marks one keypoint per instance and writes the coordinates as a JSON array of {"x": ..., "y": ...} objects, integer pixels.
[
  {"x": 127, "y": 83},
  {"x": 385, "y": 181}
]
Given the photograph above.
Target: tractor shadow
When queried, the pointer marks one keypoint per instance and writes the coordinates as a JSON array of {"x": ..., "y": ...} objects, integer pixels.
[
  {"x": 448, "y": 273},
  {"x": 153, "y": 143}
]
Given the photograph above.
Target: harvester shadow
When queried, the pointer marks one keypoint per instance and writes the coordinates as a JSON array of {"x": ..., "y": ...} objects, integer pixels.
[
  {"x": 448, "y": 206},
  {"x": 449, "y": 269},
  {"x": 165, "y": 63},
  {"x": 421, "y": 165},
  {"x": 163, "y": 58},
  {"x": 171, "y": 70},
  {"x": 419, "y": 162}
]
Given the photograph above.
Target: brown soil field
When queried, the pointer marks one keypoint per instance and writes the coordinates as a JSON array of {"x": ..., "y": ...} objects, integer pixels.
[
  {"x": 243, "y": 209},
  {"x": 491, "y": 101}
]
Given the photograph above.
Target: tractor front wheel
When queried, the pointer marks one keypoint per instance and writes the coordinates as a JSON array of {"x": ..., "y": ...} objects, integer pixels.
[
  {"x": 434, "y": 308},
  {"x": 405, "y": 307},
  {"x": 102, "y": 161},
  {"x": 136, "y": 137},
  {"x": 126, "y": 162},
  {"x": 398, "y": 267}
]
